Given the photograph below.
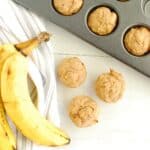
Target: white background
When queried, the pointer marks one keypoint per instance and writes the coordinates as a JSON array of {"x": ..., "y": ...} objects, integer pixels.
[{"x": 123, "y": 125}]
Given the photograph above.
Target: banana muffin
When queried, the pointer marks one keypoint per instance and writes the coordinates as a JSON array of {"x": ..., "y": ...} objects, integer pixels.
[
  {"x": 102, "y": 20},
  {"x": 137, "y": 41},
  {"x": 83, "y": 111},
  {"x": 67, "y": 7},
  {"x": 110, "y": 86},
  {"x": 72, "y": 72}
]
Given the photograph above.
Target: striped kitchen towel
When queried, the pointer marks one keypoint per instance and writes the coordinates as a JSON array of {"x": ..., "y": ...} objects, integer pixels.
[{"x": 18, "y": 24}]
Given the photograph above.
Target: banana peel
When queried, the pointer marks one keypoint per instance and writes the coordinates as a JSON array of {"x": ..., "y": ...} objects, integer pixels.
[
  {"x": 5, "y": 144},
  {"x": 16, "y": 98},
  {"x": 7, "y": 138}
]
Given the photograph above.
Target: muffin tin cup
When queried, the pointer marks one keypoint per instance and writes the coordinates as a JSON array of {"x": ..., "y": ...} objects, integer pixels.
[{"x": 130, "y": 13}]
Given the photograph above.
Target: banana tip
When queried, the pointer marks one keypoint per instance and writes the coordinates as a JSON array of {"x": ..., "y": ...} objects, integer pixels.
[
  {"x": 14, "y": 148},
  {"x": 44, "y": 36},
  {"x": 69, "y": 141}
]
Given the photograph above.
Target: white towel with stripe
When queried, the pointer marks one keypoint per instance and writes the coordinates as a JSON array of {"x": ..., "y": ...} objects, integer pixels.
[{"x": 18, "y": 24}]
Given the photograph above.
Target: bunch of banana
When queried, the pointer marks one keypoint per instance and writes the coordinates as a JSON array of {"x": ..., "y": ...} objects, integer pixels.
[{"x": 16, "y": 101}]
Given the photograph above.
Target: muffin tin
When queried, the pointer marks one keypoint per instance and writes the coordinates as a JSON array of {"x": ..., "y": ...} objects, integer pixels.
[{"x": 131, "y": 13}]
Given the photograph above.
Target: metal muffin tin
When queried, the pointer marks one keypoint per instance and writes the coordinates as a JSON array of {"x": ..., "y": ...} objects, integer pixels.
[{"x": 131, "y": 13}]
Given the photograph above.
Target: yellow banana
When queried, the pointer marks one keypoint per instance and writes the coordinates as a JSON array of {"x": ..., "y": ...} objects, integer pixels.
[
  {"x": 4, "y": 141},
  {"x": 17, "y": 101},
  {"x": 7, "y": 138}
]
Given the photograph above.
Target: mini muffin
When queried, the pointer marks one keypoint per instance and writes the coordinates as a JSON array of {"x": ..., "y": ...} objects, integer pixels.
[
  {"x": 110, "y": 86},
  {"x": 67, "y": 7},
  {"x": 137, "y": 41},
  {"x": 102, "y": 20},
  {"x": 83, "y": 111},
  {"x": 72, "y": 72}
]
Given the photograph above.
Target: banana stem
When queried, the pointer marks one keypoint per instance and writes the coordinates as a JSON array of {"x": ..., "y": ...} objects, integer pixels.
[{"x": 26, "y": 47}]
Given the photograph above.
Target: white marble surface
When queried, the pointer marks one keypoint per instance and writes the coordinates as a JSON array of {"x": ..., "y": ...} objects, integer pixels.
[{"x": 123, "y": 125}]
